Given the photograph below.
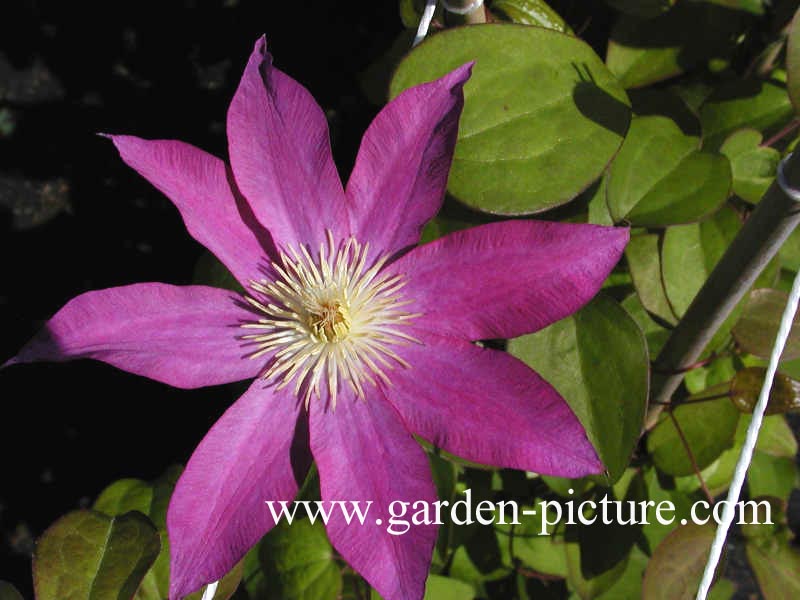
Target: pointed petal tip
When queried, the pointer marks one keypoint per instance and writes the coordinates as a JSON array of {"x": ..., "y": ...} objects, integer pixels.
[{"x": 11, "y": 361}]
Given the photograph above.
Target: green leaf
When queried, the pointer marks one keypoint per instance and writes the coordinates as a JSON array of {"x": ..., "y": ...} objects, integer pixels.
[
  {"x": 644, "y": 51},
  {"x": 758, "y": 325},
  {"x": 603, "y": 545},
  {"x": 690, "y": 252},
  {"x": 762, "y": 105},
  {"x": 793, "y": 62},
  {"x": 746, "y": 387},
  {"x": 446, "y": 588},
  {"x": 597, "y": 360},
  {"x": 771, "y": 476},
  {"x": 9, "y": 592},
  {"x": 589, "y": 588},
  {"x": 776, "y": 437},
  {"x": 754, "y": 166},
  {"x": 531, "y": 12},
  {"x": 666, "y": 103},
  {"x": 298, "y": 562},
  {"x": 644, "y": 9},
  {"x": 676, "y": 566},
  {"x": 755, "y": 7},
  {"x": 776, "y": 566},
  {"x": 674, "y": 503},
  {"x": 86, "y": 554},
  {"x": 655, "y": 334},
  {"x": 708, "y": 427},
  {"x": 644, "y": 262},
  {"x": 542, "y": 115},
  {"x": 661, "y": 177},
  {"x": 598, "y": 208},
  {"x": 629, "y": 584},
  {"x": 790, "y": 252}
]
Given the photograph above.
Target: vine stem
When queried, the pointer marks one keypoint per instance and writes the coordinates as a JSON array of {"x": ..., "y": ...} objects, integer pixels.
[{"x": 755, "y": 245}]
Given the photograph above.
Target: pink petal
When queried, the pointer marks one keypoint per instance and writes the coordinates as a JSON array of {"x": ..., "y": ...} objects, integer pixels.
[
  {"x": 281, "y": 156},
  {"x": 364, "y": 453},
  {"x": 503, "y": 280},
  {"x": 488, "y": 407},
  {"x": 187, "y": 337},
  {"x": 400, "y": 175},
  {"x": 257, "y": 451},
  {"x": 197, "y": 183}
]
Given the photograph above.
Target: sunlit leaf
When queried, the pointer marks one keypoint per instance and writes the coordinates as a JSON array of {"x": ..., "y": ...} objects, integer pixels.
[
  {"x": 708, "y": 428},
  {"x": 87, "y": 554},
  {"x": 761, "y": 105},
  {"x": 753, "y": 165},
  {"x": 661, "y": 177},
  {"x": 644, "y": 261},
  {"x": 690, "y": 252},
  {"x": 446, "y": 588},
  {"x": 542, "y": 115},
  {"x": 298, "y": 562},
  {"x": 531, "y": 12}
]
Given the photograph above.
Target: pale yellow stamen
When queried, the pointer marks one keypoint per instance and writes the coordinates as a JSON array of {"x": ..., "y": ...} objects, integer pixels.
[{"x": 329, "y": 321}]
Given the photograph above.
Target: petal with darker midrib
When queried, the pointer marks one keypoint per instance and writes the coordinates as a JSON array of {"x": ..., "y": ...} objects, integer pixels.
[
  {"x": 257, "y": 451},
  {"x": 186, "y": 336},
  {"x": 281, "y": 156},
  {"x": 365, "y": 454}
]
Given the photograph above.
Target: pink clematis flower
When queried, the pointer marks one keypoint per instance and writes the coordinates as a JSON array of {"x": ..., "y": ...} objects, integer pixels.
[{"x": 354, "y": 336}]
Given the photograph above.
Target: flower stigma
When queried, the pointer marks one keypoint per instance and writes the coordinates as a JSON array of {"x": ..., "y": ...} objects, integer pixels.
[{"x": 329, "y": 320}]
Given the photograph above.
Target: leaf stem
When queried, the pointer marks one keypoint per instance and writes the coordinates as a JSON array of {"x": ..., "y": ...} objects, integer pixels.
[{"x": 691, "y": 457}]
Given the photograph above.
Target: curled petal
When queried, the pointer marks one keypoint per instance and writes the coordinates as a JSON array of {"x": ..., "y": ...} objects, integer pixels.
[
  {"x": 197, "y": 183},
  {"x": 281, "y": 156},
  {"x": 187, "y": 336},
  {"x": 365, "y": 455},
  {"x": 400, "y": 175},
  {"x": 488, "y": 407},
  {"x": 257, "y": 451},
  {"x": 507, "y": 279}
]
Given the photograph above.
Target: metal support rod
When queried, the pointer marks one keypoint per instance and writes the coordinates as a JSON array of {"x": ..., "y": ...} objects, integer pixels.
[{"x": 759, "y": 240}]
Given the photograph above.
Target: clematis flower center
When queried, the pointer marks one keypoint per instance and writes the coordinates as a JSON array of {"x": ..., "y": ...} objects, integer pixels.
[{"x": 329, "y": 320}]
